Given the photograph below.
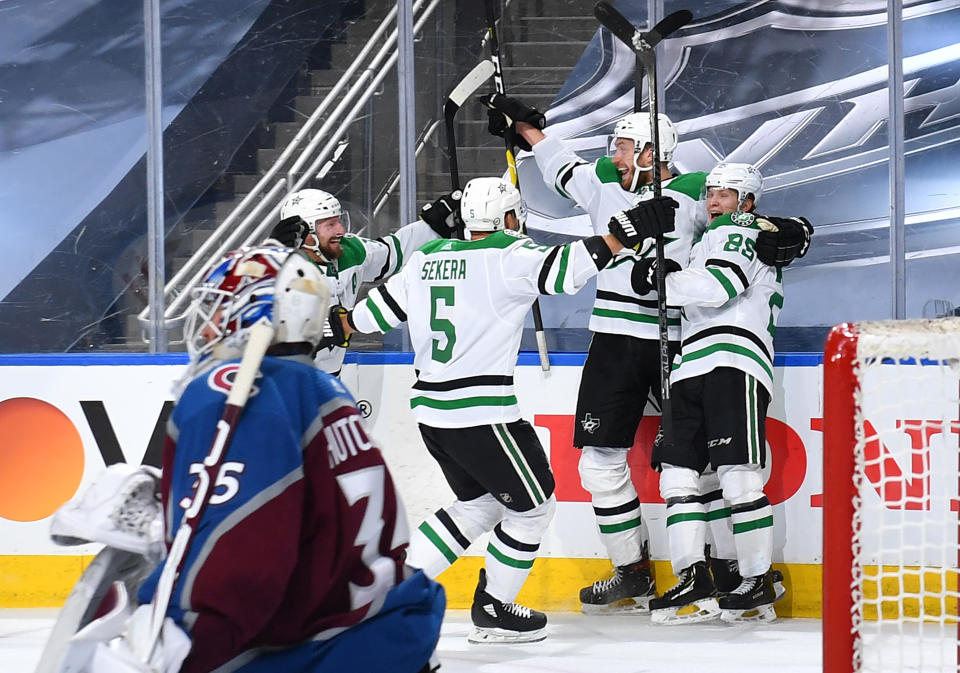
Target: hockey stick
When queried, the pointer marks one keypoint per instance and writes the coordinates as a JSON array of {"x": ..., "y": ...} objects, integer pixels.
[
  {"x": 512, "y": 168},
  {"x": 261, "y": 335},
  {"x": 480, "y": 74},
  {"x": 643, "y": 45}
]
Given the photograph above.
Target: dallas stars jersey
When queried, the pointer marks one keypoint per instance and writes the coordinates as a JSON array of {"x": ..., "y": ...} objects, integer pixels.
[
  {"x": 367, "y": 260},
  {"x": 596, "y": 188},
  {"x": 465, "y": 303},
  {"x": 731, "y": 301}
]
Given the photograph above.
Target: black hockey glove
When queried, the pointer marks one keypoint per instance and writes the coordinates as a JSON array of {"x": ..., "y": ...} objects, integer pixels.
[
  {"x": 503, "y": 112},
  {"x": 333, "y": 334},
  {"x": 645, "y": 220},
  {"x": 443, "y": 215},
  {"x": 643, "y": 278},
  {"x": 291, "y": 232},
  {"x": 783, "y": 240}
]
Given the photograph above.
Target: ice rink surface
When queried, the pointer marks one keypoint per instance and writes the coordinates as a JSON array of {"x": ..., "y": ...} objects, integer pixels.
[{"x": 576, "y": 644}]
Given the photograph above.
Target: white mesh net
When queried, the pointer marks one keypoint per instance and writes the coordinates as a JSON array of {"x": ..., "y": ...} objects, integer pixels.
[{"x": 907, "y": 471}]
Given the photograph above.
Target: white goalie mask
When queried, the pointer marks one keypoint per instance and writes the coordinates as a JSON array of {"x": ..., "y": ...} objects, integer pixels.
[
  {"x": 281, "y": 285},
  {"x": 636, "y": 127},
  {"x": 744, "y": 179},
  {"x": 312, "y": 206},
  {"x": 485, "y": 203}
]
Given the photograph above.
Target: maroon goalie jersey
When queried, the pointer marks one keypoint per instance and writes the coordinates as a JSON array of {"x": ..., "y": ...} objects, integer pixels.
[{"x": 304, "y": 534}]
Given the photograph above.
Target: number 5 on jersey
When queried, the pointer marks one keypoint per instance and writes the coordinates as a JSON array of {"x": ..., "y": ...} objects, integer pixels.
[{"x": 442, "y": 294}]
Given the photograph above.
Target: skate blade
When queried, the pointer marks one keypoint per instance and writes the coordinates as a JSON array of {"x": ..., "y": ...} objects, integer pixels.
[
  {"x": 638, "y": 605},
  {"x": 493, "y": 635},
  {"x": 704, "y": 610},
  {"x": 762, "y": 613}
]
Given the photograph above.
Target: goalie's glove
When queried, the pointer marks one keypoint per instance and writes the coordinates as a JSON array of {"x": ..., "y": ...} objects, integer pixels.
[
  {"x": 643, "y": 278},
  {"x": 645, "y": 220},
  {"x": 333, "y": 333},
  {"x": 443, "y": 215},
  {"x": 782, "y": 239},
  {"x": 291, "y": 232},
  {"x": 503, "y": 112}
]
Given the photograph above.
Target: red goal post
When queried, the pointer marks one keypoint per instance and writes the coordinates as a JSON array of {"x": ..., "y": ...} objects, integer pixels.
[{"x": 891, "y": 472}]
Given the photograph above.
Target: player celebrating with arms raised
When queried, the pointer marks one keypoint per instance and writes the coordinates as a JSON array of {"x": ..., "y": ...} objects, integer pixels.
[{"x": 623, "y": 364}]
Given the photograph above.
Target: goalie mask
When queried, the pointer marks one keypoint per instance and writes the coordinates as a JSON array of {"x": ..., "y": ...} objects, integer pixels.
[
  {"x": 744, "y": 179},
  {"x": 247, "y": 285},
  {"x": 485, "y": 203},
  {"x": 313, "y": 206},
  {"x": 636, "y": 127}
]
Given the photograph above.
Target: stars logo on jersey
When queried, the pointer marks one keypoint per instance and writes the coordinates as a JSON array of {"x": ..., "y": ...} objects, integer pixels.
[
  {"x": 589, "y": 423},
  {"x": 513, "y": 232},
  {"x": 741, "y": 218}
]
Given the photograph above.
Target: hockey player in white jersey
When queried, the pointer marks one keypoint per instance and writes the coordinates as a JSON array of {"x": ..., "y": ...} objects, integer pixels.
[
  {"x": 721, "y": 386},
  {"x": 314, "y": 220},
  {"x": 465, "y": 304},
  {"x": 623, "y": 364}
]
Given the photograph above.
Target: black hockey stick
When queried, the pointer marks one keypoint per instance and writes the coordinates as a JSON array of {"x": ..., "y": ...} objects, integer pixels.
[
  {"x": 643, "y": 45},
  {"x": 512, "y": 167},
  {"x": 480, "y": 74}
]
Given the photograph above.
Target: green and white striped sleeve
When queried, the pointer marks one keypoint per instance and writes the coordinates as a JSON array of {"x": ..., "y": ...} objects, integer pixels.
[{"x": 383, "y": 309}]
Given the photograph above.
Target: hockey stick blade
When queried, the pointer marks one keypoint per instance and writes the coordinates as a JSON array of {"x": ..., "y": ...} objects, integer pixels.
[
  {"x": 627, "y": 33},
  {"x": 467, "y": 86},
  {"x": 615, "y": 22},
  {"x": 480, "y": 74}
]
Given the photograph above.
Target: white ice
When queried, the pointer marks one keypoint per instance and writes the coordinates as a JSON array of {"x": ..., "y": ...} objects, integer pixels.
[{"x": 575, "y": 644}]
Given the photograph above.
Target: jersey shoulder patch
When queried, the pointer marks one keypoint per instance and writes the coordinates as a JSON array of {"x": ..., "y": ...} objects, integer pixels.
[
  {"x": 688, "y": 184},
  {"x": 354, "y": 251},
  {"x": 735, "y": 219},
  {"x": 607, "y": 170}
]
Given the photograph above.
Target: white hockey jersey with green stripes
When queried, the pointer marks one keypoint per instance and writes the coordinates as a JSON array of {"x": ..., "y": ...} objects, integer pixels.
[
  {"x": 465, "y": 304},
  {"x": 366, "y": 260},
  {"x": 596, "y": 188},
  {"x": 731, "y": 301}
]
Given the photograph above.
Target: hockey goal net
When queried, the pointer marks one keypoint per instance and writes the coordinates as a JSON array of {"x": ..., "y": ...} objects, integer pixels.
[{"x": 891, "y": 473}]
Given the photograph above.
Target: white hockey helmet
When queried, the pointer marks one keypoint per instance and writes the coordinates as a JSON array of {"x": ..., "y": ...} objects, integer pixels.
[
  {"x": 486, "y": 201},
  {"x": 636, "y": 127},
  {"x": 744, "y": 179},
  {"x": 311, "y": 206},
  {"x": 278, "y": 284}
]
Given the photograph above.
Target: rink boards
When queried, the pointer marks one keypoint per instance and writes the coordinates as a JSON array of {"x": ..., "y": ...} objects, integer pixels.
[{"x": 64, "y": 417}]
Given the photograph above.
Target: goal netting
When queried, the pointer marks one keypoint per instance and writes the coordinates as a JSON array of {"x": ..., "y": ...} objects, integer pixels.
[{"x": 891, "y": 473}]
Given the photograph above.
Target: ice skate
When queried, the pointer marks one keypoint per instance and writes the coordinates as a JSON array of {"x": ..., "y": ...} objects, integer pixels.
[
  {"x": 752, "y": 601},
  {"x": 692, "y": 599},
  {"x": 629, "y": 590},
  {"x": 496, "y": 622}
]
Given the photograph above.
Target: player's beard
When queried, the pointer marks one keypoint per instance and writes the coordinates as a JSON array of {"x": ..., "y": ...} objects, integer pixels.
[{"x": 332, "y": 249}]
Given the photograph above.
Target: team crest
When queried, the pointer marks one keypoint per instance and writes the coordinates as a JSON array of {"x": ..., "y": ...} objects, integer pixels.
[
  {"x": 742, "y": 218},
  {"x": 589, "y": 423},
  {"x": 222, "y": 378}
]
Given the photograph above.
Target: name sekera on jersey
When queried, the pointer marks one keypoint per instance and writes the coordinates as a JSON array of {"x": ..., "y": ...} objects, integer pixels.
[{"x": 445, "y": 269}]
